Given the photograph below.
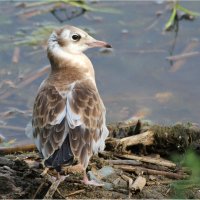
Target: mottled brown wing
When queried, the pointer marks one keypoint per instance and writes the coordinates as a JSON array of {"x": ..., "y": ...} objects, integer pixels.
[
  {"x": 86, "y": 119},
  {"x": 49, "y": 121}
]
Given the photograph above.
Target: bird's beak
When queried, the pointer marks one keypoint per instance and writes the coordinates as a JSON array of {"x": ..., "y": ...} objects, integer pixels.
[{"x": 98, "y": 43}]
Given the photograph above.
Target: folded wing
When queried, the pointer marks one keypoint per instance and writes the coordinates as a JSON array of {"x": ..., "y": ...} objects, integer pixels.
[
  {"x": 49, "y": 121},
  {"x": 69, "y": 124},
  {"x": 86, "y": 120}
]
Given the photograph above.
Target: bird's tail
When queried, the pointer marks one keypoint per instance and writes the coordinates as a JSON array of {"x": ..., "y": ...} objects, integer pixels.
[{"x": 61, "y": 156}]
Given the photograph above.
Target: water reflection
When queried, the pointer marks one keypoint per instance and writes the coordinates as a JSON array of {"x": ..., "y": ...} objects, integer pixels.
[{"x": 135, "y": 80}]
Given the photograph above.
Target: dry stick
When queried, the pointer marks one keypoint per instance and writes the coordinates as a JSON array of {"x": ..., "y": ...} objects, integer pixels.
[
  {"x": 183, "y": 56},
  {"x": 172, "y": 175},
  {"x": 124, "y": 162},
  {"x": 76, "y": 192},
  {"x": 38, "y": 190},
  {"x": 157, "y": 161},
  {"x": 24, "y": 148},
  {"x": 58, "y": 191},
  {"x": 130, "y": 182},
  {"x": 163, "y": 173},
  {"x": 29, "y": 79},
  {"x": 178, "y": 64},
  {"x": 155, "y": 167},
  {"x": 145, "y": 138},
  {"x": 54, "y": 187}
]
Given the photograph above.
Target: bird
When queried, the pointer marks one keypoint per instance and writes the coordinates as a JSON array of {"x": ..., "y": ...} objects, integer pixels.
[{"x": 69, "y": 116}]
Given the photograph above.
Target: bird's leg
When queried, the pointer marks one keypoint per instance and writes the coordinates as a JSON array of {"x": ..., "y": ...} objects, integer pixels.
[
  {"x": 45, "y": 171},
  {"x": 58, "y": 176},
  {"x": 90, "y": 182}
]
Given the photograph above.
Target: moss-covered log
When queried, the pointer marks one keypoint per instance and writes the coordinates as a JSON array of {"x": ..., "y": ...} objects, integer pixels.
[{"x": 163, "y": 140}]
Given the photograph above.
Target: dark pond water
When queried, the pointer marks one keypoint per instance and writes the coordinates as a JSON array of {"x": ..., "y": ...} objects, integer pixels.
[{"x": 135, "y": 79}]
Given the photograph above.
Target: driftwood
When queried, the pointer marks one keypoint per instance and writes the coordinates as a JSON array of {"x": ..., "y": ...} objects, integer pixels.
[
  {"x": 124, "y": 162},
  {"x": 145, "y": 138},
  {"x": 142, "y": 170},
  {"x": 148, "y": 159},
  {"x": 21, "y": 148}
]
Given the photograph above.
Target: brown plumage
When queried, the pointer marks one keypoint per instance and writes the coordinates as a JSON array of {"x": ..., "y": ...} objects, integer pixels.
[{"x": 68, "y": 114}]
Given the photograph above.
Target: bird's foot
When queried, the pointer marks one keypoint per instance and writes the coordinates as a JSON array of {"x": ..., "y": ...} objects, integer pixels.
[
  {"x": 93, "y": 182},
  {"x": 86, "y": 181}
]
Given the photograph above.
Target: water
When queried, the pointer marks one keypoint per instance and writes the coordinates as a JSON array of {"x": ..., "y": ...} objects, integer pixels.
[{"x": 135, "y": 80}]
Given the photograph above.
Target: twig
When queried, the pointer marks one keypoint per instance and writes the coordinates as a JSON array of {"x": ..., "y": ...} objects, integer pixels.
[
  {"x": 76, "y": 192},
  {"x": 54, "y": 187},
  {"x": 155, "y": 167},
  {"x": 38, "y": 190},
  {"x": 124, "y": 162},
  {"x": 172, "y": 175},
  {"x": 24, "y": 148},
  {"x": 163, "y": 173},
  {"x": 148, "y": 159},
  {"x": 183, "y": 56},
  {"x": 178, "y": 64},
  {"x": 58, "y": 191},
  {"x": 130, "y": 182}
]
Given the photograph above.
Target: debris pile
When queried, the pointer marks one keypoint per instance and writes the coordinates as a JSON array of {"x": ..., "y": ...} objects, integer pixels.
[{"x": 135, "y": 164}]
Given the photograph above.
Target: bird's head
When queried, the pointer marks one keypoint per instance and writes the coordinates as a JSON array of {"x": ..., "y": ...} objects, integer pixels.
[{"x": 73, "y": 40}]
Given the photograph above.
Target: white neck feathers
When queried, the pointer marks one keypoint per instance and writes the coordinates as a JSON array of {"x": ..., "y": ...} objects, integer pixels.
[{"x": 78, "y": 60}]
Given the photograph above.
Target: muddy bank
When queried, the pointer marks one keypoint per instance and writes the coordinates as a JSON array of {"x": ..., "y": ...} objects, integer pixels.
[{"x": 131, "y": 167}]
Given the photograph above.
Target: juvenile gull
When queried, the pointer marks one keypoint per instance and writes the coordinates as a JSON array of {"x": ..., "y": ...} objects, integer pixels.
[{"x": 68, "y": 114}]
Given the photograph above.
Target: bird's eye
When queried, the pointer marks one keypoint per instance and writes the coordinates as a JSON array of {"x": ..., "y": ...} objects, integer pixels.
[{"x": 76, "y": 37}]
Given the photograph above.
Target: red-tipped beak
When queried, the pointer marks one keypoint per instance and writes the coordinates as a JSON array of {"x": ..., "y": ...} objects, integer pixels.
[{"x": 98, "y": 43}]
